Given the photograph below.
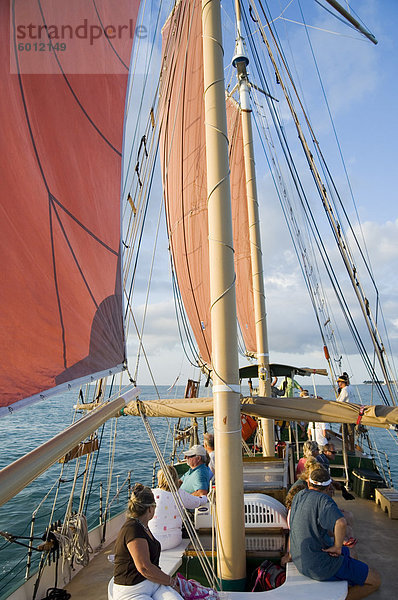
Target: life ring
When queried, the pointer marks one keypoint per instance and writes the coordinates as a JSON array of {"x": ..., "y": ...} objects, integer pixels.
[{"x": 249, "y": 426}]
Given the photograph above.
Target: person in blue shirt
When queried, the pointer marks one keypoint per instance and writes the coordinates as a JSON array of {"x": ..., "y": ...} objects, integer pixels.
[
  {"x": 196, "y": 481},
  {"x": 314, "y": 518}
]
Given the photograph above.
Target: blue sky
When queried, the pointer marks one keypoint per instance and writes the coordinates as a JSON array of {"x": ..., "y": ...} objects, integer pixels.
[{"x": 360, "y": 81}]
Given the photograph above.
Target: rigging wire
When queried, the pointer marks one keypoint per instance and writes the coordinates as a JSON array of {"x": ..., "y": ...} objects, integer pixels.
[
  {"x": 201, "y": 554},
  {"x": 287, "y": 153},
  {"x": 337, "y": 230},
  {"x": 182, "y": 322},
  {"x": 337, "y": 140},
  {"x": 155, "y": 241},
  {"x": 134, "y": 61}
]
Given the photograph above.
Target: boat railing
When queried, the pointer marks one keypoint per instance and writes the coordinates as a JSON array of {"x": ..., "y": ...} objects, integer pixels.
[{"x": 50, "y": 550}]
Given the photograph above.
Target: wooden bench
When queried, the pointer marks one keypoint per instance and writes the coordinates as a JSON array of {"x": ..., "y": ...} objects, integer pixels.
[
  {"x": 387, "y": 499},
  {"x": 296, "y": 586}
]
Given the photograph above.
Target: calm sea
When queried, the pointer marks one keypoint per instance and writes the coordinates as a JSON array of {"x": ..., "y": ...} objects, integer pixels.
[{"x": 26, "y": 429}]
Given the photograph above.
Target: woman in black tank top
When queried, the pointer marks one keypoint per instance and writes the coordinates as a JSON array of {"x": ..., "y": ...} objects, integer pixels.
[{"x": 137, "y": 553}]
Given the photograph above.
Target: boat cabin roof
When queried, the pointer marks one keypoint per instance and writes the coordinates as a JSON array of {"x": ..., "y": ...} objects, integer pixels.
[{"x": 278, "y": 370}]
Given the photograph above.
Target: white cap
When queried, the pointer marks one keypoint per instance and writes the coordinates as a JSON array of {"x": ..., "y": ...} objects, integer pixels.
[{"x": 196, "y": 450}]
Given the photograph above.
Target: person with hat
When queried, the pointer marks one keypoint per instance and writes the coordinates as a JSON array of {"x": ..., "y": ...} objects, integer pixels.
[
  {"x": 314, "y": 552},
  {"x": 197, "y": 479},
  {"x": 345, "y": 395}
]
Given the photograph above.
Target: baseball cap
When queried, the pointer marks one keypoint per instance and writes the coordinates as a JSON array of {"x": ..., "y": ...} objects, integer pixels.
[{"x": 196, "y": 450}]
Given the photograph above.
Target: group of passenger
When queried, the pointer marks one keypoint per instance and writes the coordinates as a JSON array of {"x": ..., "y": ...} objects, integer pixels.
[
  {"x": 154, "y": 523},
  {"x": 321, "y": 534}
]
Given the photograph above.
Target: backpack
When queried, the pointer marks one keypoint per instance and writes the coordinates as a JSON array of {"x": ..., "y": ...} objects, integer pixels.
[{"x": 267, "y": 576}]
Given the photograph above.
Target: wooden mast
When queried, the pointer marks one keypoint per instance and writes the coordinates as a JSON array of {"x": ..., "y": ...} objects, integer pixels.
[
  {"x": 240, "y": 62},
  {"x": 231, "y": 554}
]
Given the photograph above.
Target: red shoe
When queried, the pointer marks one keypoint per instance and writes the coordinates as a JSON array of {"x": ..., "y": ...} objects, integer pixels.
[{"x": 351, "y": 542}]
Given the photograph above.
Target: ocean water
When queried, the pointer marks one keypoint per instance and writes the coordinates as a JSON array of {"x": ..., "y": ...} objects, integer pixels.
[{"x": 29, "y": 428}]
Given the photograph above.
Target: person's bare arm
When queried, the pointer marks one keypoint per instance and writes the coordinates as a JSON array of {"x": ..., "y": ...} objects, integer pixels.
[
  {"x": 139, "y": 551},
  {"x": 200, "y": 493},
  {"x": 287, "y": 556},
  {"x": 339, "y": 533}
]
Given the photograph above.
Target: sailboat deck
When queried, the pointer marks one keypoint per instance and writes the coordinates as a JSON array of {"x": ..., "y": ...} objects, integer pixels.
[{"x": 377, "y": 535}]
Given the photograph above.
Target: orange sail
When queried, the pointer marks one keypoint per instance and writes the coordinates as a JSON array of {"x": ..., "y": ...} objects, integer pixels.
[
  {"x": 61, "y": 129},
  {"x": 183, "y": 160}
]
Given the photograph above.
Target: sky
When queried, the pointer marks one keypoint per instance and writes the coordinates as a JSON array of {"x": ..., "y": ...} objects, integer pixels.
[{"x": 361, "y": 87}]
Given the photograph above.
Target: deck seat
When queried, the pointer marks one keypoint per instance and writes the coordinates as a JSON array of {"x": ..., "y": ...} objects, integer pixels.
[
  {"x": 296, "y": 586},
  {"x": 171, "y": 560}
]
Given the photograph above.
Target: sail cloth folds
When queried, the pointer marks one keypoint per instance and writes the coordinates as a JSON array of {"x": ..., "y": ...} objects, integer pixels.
[
  {"x": 293, "y": 409},
  {"x": 61, "y": 128},
  {"x": 183, "y": 162}
]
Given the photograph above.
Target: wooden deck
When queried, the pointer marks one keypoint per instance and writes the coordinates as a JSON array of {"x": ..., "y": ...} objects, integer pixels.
[
  {"x": 377, "y": 546},
  {"x": 377, "y": 542},
  {"x": 91, "y": 583}
]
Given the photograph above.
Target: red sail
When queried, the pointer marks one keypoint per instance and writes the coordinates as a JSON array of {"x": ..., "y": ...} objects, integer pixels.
[
  {"x": 183, "y": 159},
  {"x": 61, "y": 129}
]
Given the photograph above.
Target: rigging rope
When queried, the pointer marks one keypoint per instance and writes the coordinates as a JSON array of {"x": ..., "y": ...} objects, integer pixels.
[
  {"x": 300, "y": 190},
  {"x": 73, "y": 541},
  {"x": 201, "y": 555}
]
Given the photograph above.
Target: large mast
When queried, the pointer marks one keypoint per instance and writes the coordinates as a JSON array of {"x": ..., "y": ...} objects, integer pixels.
[
  {"x": 231, "y": 554},
  {"x": 240, "y": 62}
]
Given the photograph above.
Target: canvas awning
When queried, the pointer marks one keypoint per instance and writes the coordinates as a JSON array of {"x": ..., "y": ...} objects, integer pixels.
[{"x": 290, "y": 409}]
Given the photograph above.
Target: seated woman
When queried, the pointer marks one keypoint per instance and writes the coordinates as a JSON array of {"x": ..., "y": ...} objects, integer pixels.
[
  {"x": 167, "y": 523},
  {"x": 136, "y": 568},
  {"x": 310, "y": 448}
]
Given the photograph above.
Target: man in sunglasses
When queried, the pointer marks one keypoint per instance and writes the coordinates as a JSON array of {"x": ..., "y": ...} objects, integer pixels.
[
  {"x": 327, "y": 454},
  {"x": 196, "y": 480}
]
